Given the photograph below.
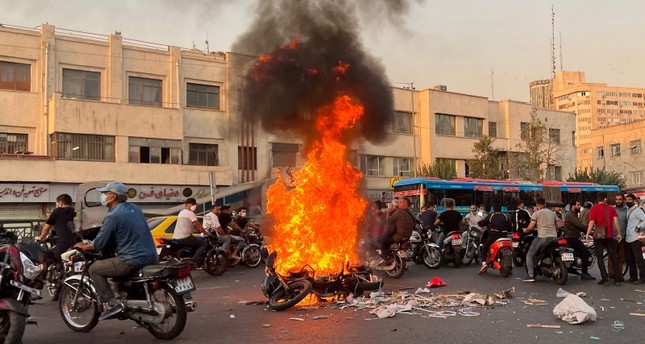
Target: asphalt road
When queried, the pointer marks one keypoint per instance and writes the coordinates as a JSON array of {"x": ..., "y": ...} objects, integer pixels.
[{"x": 222, "y": 315}]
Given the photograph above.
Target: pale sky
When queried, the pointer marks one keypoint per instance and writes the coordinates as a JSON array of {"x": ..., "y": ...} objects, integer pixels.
[{"x": 450, "y": 42}]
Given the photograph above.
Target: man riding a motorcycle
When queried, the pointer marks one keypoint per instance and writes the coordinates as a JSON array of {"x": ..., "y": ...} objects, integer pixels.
[
  {"x": 573, "y": 226},
  {"x": 398, "y": 227},
  {"x": 211, "y": 222},
  {"x": 498, "y": 226},
  {"x": 546, "y": 222},
  {"x": 124, "y": 231},
  {"x": 450, "y": 219}
]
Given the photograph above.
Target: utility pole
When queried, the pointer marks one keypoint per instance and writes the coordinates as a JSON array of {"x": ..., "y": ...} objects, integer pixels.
[{"x": 414, "y": 130}]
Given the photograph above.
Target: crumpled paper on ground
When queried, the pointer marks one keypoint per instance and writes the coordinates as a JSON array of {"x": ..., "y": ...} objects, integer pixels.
[
  {"x": 574, "y": 310},
  {"x": 563, "y": 293}
]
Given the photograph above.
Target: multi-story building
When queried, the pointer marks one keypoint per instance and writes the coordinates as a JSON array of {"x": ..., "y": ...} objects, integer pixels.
[
  {"x": 618, "y": 148},
  {"x": 166, "y": 121},
  {"x": 596, "y": 106},
  {"x": 541, "y": 94}
]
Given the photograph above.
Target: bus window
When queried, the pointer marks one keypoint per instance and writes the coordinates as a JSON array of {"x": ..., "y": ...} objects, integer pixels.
[
  {"x": 510, "y": 199},
  {"x": 589, "y": 196},
  {"x": 463, "y": 198},
  {"x": 529, "y": 197}
]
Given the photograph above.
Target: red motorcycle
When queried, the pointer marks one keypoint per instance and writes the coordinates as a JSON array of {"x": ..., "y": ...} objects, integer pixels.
[{"x": 500, "y": 256}]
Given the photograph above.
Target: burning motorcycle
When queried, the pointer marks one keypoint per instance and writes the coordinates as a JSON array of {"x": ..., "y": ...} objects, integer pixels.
[
  {"x": 286, "y": 291},
  {"x": 500, "y": 256},
  {"x": 215, "y": 259},
  {"x": 152, "y": 297},
  {"x": 551, "y": 258},
  {"x": 20, "y": 280}
]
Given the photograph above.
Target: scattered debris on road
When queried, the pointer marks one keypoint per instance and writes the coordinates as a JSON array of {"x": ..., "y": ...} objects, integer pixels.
[
  {"x": 574, "y": 310},
  {"x": 542, "y": 326}
]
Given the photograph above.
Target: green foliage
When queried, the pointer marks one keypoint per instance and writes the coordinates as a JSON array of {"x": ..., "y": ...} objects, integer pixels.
[
  {"x": 534, "y": 152},
  {"x": 598, "y": 176},
  {"x": 442, "y": 168},
  {"x": 487, "y": 161}
]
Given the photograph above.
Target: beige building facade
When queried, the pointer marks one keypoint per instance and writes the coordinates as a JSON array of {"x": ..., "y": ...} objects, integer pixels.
[
  {"x": 619, "y": 148},
  {"x": 596, "y": 106}
]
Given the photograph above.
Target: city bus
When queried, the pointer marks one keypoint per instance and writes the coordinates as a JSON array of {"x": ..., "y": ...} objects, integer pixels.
[{"x": 468, "y": 191}]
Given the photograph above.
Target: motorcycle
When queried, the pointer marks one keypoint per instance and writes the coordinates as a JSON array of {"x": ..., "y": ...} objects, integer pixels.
[
  {"x": 20, "y": 281},
  {"x": 470, "y": 245},
  {"x": 500, "y": 256},
  {"x": 422, "y": 250},
  {"x": 521, "y": 243},
  {"x": 452, "y": 250},
  {"x": 551, "y": 258},
  {"x": 253, "y": 249},
  {"x": 215, "y": 259},
  {"x": 398, "y": 265},
  {"x": 152, "y": 296},
  {"x": 285, "y": 292},
  {"x": 575, "y": 265}
]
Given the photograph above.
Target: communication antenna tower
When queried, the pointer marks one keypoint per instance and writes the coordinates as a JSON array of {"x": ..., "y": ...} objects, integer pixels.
[{"x": 552, "y": 42}]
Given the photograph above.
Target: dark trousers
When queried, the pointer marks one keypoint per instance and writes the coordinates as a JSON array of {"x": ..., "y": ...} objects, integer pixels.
[
  {"x": 492, "y": 236},
  {"x": 111, "y": 267},
  {"x": 582, "y": 250},
  {"x": 384, "y": 242},
  {"x": 610, "y": 245},
  {"x": 634, "y": 256},
  {"x": 621, "y": 248},
  {"x": 197, "y": 244}
]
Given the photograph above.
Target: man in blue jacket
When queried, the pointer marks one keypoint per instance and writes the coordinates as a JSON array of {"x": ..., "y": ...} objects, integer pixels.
[{"x": 125, "y": 232}]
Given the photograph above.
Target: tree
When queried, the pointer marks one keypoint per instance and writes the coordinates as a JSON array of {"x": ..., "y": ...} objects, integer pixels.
[
  {"x": 598, "y": 176},
  {"x": 442, "y": 168},
  {"x": 486, "y": 163},
  {"x": 535, "y": 152}
]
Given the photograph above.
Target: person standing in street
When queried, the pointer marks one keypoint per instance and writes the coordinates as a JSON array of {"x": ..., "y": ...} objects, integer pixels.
[
  {"x": 603, "y": 220},
  {"x": 545, "y": 220},
  {"x": 573, "y": 227},
  {"x": 633, "y": 247},
  {"x": 521, "y": 218},
  {"x": 621, "y": 210}
]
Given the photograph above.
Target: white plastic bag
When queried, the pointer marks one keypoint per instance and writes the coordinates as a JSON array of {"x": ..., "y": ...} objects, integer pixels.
[{"x": 574, "y": 310}]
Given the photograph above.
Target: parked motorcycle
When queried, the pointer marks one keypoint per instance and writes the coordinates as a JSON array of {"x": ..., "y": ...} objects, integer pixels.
[
  {"x": 500, "y": 256},
  {"x": 422, "y": 250},
  {"x": 152, "y": 297},
  {"x": 575, "y": 265},
  {"x": 20, "y": 281},
  {"x": 285, "y": 292},
  {"x": 215, "y": 259},
  {"x": 551, "y": 259},
  {"x": 470, "y": 245},
  {"x": 521, "y": 243}
]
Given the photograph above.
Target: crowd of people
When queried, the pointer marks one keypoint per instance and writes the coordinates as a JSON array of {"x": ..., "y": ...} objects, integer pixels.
[{"x": 619, "y": 229}]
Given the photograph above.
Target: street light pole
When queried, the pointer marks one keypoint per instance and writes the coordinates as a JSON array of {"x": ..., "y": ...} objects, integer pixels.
[{"x": 414, "y": 130}]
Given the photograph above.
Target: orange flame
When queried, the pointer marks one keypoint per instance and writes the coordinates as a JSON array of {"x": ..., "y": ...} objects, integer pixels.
[{"x": 317, "y": 221}]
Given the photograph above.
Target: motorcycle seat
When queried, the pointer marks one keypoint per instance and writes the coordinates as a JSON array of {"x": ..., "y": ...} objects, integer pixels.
[{"x": 503, "y": 239}]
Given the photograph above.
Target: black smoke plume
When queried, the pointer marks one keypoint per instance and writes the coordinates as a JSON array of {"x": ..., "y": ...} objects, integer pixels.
[{"x": 304, "y": 47}]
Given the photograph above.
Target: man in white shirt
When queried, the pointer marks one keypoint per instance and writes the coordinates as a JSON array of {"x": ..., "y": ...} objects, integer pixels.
[
  {"x": 211, "y": 223},
  {"x": 186, "y": 224}
]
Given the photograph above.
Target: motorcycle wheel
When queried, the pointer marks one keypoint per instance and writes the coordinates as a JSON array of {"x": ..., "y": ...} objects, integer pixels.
[
  {"x": 456, "y": 258},
  {"x": 399, "y": 268},
  {"x": 605, "y": 259},
  {"x": 12, "y": 327},
  {"x": 507, "y": 264},
  {"x": 284, "y": 299},
  {"x": 215, "y": 263},
  {"x": 54, "y": 276},
  {"x": 431, "y": 257},
  {"x": 470, "y": 255},
  {"x": 85, "y": 316},
  {"x": 518, "y": 258},
  {"x": 252, "y": 256},
  {"x": 173, "y": 325},
  {"x": 564, "y": 271}
]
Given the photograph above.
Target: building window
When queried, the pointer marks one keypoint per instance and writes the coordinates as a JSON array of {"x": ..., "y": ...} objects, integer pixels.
[
  {"x": 202, "y": 96},
  {"x": 13, "y": 143},
  {"x": 524, "y": 130},
  {"x": 615, "y": 149},
  {"x": 82, "y": 147},
  {"x": 445, "y": 124},
  {"x": 144, "y": 91},
  {"x": 81, "y": 84},
  {"x": 154, "y": 151},
  {"x": 492, "y": 129},
  {"x": 402, "y": 167},
  {"x": 15, "y": 76},
  {"x": 202, "y": 154},
  {"x": 247, "y": 158},
  {"x": 636, "y": 177},
  {"x": 284, "y": 154},
  {"x": 573, "y": 138},
  {"x": 600, "y": 152},
  {"x": 373, "y": 165},
  {"x": 554, "y": 136},
  {"x": 473, "y": 127},
  {"x": 635, "y": 147},
  {"x": 402, "y": 122}
]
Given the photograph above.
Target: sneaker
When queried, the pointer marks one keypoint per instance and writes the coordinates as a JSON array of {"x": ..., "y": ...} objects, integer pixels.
[
  {"x": 617, "y": 283},
  {"x": 111, "y": 311},
  {"x": 483, "y": 269},
  {"x": 587, "y": 277},
  {"x": 529, "y": 279},
  {"x": 603, "y": 282}
]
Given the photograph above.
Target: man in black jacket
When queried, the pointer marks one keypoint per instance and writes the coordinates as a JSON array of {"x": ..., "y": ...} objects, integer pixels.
[
  {"x": 573, "y": 226},
  {"x": 498, "y": 225},
  {"x": 521, "y": 218}
]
